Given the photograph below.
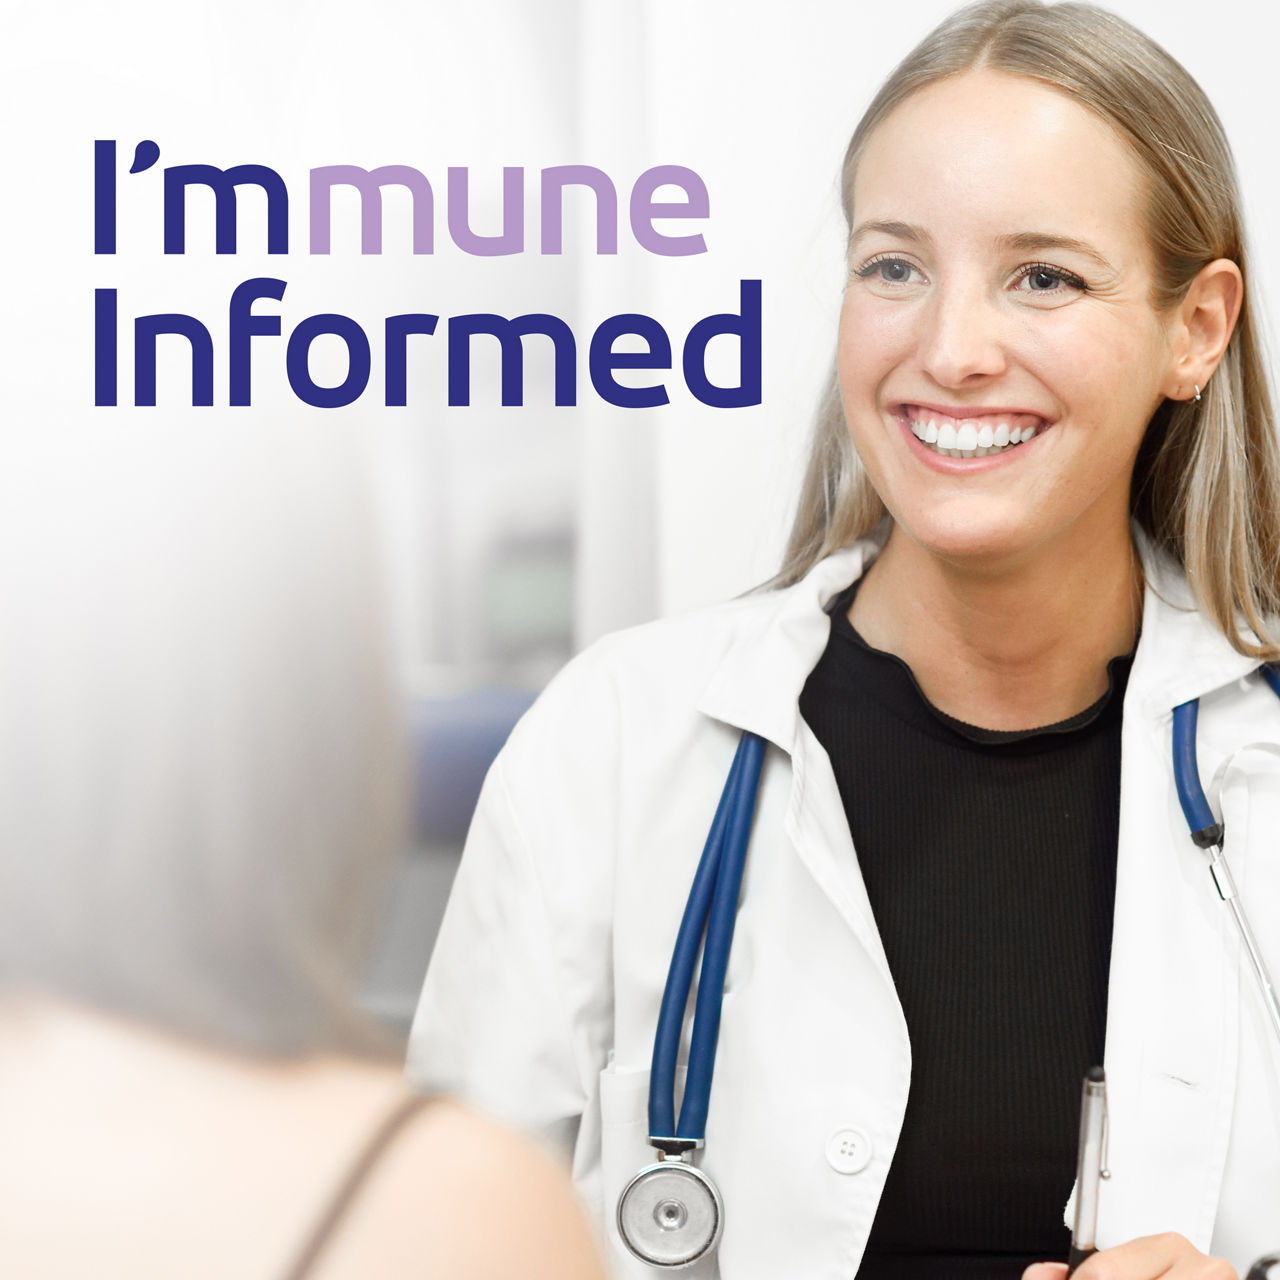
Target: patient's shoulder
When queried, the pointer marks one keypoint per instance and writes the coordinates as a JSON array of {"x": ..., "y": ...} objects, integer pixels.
[{"x": 456, "y": 1194}]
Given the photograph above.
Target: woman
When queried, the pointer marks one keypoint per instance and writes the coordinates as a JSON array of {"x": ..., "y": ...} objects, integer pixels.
[
  {"x": 1041, "y": 512},
  {"x": 201, "y": 790}
]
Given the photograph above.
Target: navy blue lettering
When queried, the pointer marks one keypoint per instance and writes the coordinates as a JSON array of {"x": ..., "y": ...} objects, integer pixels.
[
  {"x": 603, "y": 360},
  {"x": 242, "y": 325},
  {"x": 299, "y": 371},
  {"x": 398, "y": 329},
  {"x": 146, "y": 329},
  {"x": 510, "y": 334},
  {"x": 223, "y": 184},
  {"x": 104, "y": 347},
  {"x": 747, "y": 327}
]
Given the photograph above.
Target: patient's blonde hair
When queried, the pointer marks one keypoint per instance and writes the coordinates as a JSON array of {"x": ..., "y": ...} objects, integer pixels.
[{"x": 1206, "y": 485}]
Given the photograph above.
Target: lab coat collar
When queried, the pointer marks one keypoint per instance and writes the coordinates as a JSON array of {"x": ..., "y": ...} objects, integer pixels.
[
  {"x": 757, "y": 686},
  {"x": 758, "y": 683},
  {"x": 1182, "y": 654}
]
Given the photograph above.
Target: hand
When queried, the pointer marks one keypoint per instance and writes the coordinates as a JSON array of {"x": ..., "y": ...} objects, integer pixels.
[{"x": 1169, "y": 1255}]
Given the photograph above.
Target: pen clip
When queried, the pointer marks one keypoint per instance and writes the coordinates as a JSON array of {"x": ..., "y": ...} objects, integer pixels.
[{"x": 1105, "y": 1171}]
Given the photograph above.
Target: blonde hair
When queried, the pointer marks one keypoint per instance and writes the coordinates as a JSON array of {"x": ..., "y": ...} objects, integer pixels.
[{"x": 1206, "y": 485}]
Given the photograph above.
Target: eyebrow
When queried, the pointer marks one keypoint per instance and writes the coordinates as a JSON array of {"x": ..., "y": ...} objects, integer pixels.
[
  {"x": 898, "y": 230},
  {"x": 1021, "y": 241},
  {"x": 1039, "y": 241}
]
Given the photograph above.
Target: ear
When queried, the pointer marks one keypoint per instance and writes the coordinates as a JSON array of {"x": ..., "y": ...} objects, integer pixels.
[{"x": 1203, "y": 324}]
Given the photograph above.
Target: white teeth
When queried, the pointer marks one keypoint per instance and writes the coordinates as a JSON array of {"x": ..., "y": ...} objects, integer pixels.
[{"x": 970, "y": 438}]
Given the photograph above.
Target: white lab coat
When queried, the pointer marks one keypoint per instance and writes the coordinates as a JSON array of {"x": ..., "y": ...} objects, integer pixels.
[{"x": 543, "y": 992}]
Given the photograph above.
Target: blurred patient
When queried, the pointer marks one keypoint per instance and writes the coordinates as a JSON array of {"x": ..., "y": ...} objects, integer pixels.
[{"x": 201, "y": 788}]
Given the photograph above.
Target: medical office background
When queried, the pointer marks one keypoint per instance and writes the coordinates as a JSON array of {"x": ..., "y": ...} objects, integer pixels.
[{"x": 513, "y": 536}]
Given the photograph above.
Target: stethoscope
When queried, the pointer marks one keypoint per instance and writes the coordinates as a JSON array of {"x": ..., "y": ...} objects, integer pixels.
[
  {"x": 671, "y": 1214},
  {"x": 1208, "y": 834}
]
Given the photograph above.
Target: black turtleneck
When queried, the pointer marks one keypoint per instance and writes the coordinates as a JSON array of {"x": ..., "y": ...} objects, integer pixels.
[{"x": 989, "y": 859}]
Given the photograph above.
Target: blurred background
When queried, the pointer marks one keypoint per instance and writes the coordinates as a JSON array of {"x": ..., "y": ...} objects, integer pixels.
[{"x": 513, "y": 536}]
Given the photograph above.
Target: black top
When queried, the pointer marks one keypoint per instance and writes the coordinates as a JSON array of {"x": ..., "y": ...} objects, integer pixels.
[{"x": 989, "y": 859}]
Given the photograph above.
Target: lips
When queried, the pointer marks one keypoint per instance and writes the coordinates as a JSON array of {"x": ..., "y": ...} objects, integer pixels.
[{"x": 970, "y": 433}]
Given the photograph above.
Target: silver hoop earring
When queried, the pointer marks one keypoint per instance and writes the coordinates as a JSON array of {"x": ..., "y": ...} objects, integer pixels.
[{"x": 1197, "y": 387}]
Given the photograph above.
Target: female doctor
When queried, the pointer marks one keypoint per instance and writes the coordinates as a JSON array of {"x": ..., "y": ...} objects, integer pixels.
[{"x": 1041, "y": 512}]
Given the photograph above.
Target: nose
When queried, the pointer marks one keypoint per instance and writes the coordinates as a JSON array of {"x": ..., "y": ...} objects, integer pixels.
[{"x": 962, "y": 340}]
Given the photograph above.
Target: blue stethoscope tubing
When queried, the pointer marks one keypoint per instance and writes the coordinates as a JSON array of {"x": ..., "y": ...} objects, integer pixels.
[
  {"x": 1209, "y": 835},
  {"x": 712, "y": 911},
  {"x": 670, "y": 1214}
]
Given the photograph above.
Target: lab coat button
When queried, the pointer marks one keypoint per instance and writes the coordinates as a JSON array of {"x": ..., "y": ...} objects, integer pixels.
[{"x": 849, "y": 1150}]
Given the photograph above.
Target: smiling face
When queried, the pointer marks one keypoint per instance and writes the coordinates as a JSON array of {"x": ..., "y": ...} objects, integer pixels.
[{"x": 999, "y": 355}]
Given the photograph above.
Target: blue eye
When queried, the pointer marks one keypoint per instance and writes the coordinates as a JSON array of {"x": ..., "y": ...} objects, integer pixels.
[
  {"x": 1042, "y": 278},
  {"x": 890, "y": 270}
]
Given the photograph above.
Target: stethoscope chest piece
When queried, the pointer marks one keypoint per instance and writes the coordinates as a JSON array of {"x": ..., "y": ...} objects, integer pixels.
[{"x": 670, "y": 1214}]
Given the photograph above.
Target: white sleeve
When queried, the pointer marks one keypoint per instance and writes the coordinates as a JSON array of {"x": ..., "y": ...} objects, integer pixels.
[{"x": 515, "y": 1014}]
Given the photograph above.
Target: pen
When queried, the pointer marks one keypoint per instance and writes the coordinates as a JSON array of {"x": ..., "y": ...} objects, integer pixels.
[{"x": 1089, "y": 1166}]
